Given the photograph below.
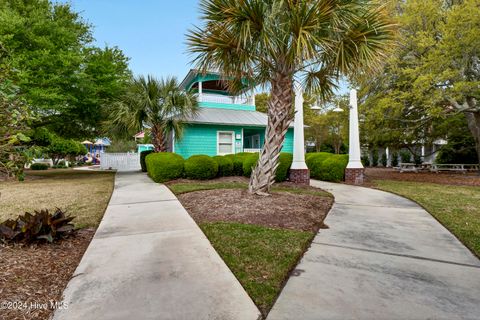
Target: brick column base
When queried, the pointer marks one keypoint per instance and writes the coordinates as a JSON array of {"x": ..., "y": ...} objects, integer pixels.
[
  {"x": 300, "y": 176},
  {"x": 354, "y": 175}
]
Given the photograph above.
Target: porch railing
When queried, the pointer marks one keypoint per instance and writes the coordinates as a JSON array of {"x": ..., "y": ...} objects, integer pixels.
[
  {"x": 216, "y": 98},
  {"x": 252, "y": 150}
]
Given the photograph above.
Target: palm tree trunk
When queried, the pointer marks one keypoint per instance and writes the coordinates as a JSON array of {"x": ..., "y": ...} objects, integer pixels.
[
  {"x": 279, "y": 118},
  {"x": 158, "y": 141}
]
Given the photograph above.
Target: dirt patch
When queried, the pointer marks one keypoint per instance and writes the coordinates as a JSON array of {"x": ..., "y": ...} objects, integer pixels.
[
  {"x": 32, "y": 276},
  {"x": 303, "y": 212},
  {"x": 213, "y": 181},
  {"x": 458, "y": 179}
]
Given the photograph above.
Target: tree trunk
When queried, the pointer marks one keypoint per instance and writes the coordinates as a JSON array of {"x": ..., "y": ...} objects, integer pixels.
[
  {"x": 473, "y": 120},
  {"x": 158, "y": 139},
  {"x": 279, "y": 118}
]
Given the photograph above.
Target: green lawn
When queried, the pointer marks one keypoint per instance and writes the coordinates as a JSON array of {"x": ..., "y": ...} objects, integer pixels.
[
  {"x": 261, "y": 258},
  {"x": 83, "y": 194},
  {"x": 456, "y": 207}
]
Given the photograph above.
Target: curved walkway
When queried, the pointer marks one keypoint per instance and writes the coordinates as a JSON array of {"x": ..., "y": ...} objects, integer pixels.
[
  {"x": 150, "y": 260},
  {"x": 384, "y": 257}
]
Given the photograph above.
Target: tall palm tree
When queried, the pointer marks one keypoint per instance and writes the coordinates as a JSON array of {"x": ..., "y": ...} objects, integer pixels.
[
  {"x": 274, "y": 42},
  {"x": 158, "y": 105}
]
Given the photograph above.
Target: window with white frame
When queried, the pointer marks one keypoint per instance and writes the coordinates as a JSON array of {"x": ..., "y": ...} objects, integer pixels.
[{"x": 225, "y": 142}]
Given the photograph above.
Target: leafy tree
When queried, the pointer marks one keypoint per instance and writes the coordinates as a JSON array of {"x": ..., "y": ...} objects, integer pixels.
[
  {"x": 434, "y": 75},
  {"x": 261, "y": 102},
  {"x": 159, "y": 105},
  {"x": 65, "y": 81},
  {"x": 273, "y": 42},
  {"x": 14, "y": 118},
  {"x": 61, "y": 148}
]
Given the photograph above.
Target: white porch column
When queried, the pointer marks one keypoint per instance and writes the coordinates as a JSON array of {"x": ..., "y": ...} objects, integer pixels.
[
  {"x": 387, "y": 154},
  {"x": 354, "y": 141},
  {"x": 299, "y": 172},
  {"x": 200, "y": 91},
  {"x": 355, "y": 172},
  {"x": 298, "y": 135}
]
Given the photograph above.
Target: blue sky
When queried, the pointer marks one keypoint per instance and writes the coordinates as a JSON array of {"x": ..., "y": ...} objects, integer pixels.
[{"x": 150, "y": 32}]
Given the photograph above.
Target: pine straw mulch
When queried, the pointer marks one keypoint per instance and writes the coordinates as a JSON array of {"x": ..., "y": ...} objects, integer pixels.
[
  {"x": 37, "y": 274},
  {"x": 304, "y": 212},
  {"x": 458, "y": 179}
]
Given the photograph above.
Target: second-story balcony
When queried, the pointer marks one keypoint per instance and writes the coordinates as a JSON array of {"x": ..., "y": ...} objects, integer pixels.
[{"x": 224, "y": 99}]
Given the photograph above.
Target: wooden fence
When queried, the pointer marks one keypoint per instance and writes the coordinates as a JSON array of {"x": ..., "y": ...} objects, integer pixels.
[{"x": 120, "y": 161}]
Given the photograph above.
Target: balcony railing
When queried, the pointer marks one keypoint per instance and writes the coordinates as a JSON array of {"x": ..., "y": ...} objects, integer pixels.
[{"x": 216, "y": 98}]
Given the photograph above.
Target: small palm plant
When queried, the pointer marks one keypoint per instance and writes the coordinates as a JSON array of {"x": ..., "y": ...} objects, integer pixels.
[
  {"x": 161, "y": 106},
  {"x": 274, "y": 42}
]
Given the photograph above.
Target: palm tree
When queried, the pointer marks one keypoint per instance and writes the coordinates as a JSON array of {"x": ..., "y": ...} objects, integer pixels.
[
  {"x": 274, "y": 42},
  {"x": 160, "y": 106}
]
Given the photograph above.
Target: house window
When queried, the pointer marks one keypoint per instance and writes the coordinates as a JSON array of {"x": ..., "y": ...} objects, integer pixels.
[{"x": 225, "y": 142}]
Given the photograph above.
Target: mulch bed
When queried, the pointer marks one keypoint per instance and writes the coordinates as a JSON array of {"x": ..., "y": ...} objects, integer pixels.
[
  {"x": 33, "y": 275},
  {"x": 459, "y": 179},
  {"x": 280, "y": 210}
]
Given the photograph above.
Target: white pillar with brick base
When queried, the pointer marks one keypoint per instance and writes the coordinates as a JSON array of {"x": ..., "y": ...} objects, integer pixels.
[
  {"x": 299, "y": 172},
  {"x": 355, "y": 170}
]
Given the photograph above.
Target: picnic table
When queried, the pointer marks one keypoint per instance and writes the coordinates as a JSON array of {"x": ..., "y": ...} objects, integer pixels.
[
  {"x": 407, "y": 167},
  {"x": 463, "y": 168}
]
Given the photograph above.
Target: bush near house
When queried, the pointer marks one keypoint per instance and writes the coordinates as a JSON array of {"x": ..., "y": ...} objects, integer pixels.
[
  {"x": 284, "y": 165},
  {"x": 238, "y": 160},
  {"x": 248, "y": 164},
  {"x": 201, "y": 167},
  {"x": 225, "y": 166},
  {"x": 314, "y": 160},
  {"x": 164, "y": 166},
  {"x": 39, "y": 166},
  {"x": 143, "y": 155},
  {"x": 327, "y": 166}
]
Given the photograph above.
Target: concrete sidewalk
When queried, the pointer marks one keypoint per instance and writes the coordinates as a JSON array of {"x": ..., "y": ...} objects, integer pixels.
[
  {"x": 149, "y": 260},
  {"x": 384, "y": 257}
]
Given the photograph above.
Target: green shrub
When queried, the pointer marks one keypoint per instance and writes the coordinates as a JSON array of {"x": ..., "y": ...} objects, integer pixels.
[
  {"x": 164, "y": 166},
  {"x": 238, "y": 160},
  {"x": 366, "y": 161},
  {"x": 333, "y": 168},
  {"x": 248, "y": 163},
  {"x": 283, "y": 167},
  {"x": 383, "y": 160},
  {"x": 41, "y": 225},
  {"x": 405, "y": 156},
  {"x": 143, "y": 155},
  {"x": 375, "y": 158},
  {"x": 225, "y": 166},
  {"x": 327, "y": 166},
  {"x": 39, "y": 166},
  {"x": 201, "y": 167},
  {"x": 314, "y": 160},
  {"x": 394, "y": 161}
]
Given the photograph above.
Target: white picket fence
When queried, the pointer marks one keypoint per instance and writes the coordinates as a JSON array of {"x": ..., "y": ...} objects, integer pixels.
[{"x": 120, "y": 161}]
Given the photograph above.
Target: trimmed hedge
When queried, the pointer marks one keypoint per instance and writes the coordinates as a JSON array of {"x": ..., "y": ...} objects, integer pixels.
[
  {"x": 201, "y": 167},
  {"x": 327, "y": 166},
  {"x": 248, "y": 163},
  {"x": 39, "y": 166},
  {"x": 225, "y": 166},
  {"x": 283, "y": 167},
  {"x": 143, "y": 155},
  {"x": 238, "y": 160},
  {"x": 164, "y": 166}
]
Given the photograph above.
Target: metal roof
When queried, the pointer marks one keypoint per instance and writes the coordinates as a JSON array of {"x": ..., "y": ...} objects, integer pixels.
[{"x": 229, "y": 117}]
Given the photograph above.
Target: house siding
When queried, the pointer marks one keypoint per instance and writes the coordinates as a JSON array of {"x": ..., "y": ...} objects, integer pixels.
[{"x": 202, "y": 139}]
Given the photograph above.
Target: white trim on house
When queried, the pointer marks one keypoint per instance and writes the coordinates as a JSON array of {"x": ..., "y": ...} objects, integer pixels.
[
  {"x": 232, "y": 150},
  {"x": 243, "y": 142}
]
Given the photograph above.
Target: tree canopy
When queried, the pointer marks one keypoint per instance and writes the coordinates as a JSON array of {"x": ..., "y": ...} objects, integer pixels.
[{"x": 66, "y": 81}]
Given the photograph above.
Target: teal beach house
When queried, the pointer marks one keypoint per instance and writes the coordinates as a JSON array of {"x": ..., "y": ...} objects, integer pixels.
[{"x": 225, "y": 124}]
